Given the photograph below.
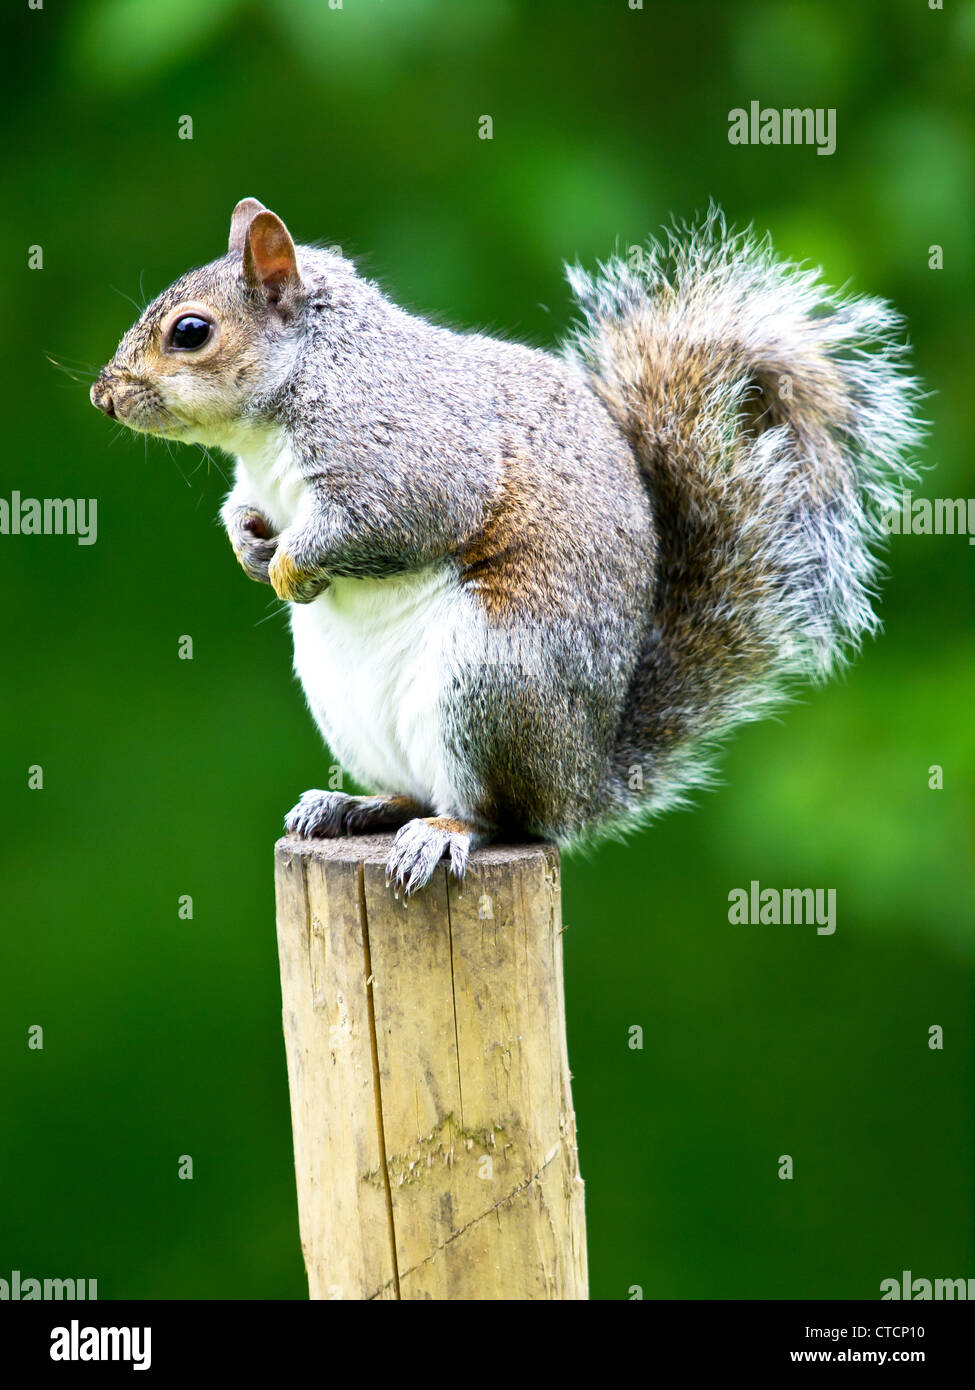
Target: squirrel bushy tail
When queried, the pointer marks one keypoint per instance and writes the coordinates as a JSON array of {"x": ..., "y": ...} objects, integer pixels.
[{"x": 771, "y": 419}]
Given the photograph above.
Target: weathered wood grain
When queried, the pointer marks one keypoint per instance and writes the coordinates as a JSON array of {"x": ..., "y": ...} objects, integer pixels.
[{"x": 435, "y": 1145}]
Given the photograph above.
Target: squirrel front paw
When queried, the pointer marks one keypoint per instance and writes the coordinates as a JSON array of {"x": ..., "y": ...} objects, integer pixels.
[
  {"x": 254, "y": 542},
  {"x": 292, "y": 583}
]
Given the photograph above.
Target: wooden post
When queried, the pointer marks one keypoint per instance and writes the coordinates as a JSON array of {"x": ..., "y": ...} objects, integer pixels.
[{"x": 435, "y": 1143}]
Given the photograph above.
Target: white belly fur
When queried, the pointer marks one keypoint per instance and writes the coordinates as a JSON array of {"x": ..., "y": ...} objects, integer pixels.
[{"x": 373, "y": 656}]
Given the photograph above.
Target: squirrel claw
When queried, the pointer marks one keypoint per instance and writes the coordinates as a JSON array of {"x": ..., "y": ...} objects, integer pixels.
[
  {"x": 326, "y": 815},
  {"x": 420, "y": 846},
  {"x": 319, "y": 815}
]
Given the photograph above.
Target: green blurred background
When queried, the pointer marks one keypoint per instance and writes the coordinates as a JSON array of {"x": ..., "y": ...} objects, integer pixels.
[{"x": 164, "y": 777}]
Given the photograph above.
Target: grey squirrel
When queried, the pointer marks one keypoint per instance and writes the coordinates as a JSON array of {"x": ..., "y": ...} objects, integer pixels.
[{"x": 530, "y": 591}]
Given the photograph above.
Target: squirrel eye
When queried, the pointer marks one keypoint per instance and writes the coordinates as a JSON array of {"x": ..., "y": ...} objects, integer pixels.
[{"x": 189, "y": 332}]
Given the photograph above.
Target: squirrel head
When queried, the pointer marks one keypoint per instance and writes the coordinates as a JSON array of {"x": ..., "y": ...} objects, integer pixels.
[{"x": 222, "y": 338}]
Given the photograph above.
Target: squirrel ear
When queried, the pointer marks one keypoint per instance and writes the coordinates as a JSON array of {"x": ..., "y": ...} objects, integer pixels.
[
  {"x": 270, "y": 262},
  {"x": 243, "y": 215}
]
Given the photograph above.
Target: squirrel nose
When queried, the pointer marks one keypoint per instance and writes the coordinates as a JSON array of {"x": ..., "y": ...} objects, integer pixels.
[{"x": 101, "y": 397}]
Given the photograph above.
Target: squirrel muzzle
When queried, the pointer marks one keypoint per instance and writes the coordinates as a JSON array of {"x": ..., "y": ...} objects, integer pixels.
[
  {"x": 102, "y": 398},
  {"x": 134, "y": 403}
]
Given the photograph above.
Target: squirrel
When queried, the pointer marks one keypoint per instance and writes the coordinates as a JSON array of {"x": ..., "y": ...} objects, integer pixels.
[{"x": 530, "y": 592}]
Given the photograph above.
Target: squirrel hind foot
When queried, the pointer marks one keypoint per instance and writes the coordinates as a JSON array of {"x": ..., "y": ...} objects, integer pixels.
[
  {"x": 420, "y": 846},
  {"x": 327, "y": 815}
]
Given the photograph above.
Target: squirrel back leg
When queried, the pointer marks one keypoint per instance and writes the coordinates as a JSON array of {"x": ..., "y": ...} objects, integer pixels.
[
  {"x": 326, "y": 815},
  {"x": 421, "y": 844}
]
